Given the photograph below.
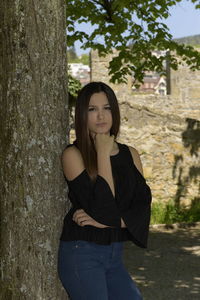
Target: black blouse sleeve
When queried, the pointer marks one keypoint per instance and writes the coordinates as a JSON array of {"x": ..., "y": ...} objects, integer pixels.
[
  {"x": 137, "y": 217},
  {"x": 95, "y": 198}
]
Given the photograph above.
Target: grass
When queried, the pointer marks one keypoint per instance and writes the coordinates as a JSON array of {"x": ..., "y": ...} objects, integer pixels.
[{"x": 169, "y": 213}]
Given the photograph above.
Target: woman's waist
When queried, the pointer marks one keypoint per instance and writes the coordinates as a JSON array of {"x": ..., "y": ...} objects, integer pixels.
[{"x": 72, "y": 231}]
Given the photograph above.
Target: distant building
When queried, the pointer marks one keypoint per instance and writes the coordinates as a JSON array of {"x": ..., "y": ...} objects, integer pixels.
[
  {"x": 153, "y": 82},
  {"x": 161, "y": 87},
  {"x": 80, "y": 72}
]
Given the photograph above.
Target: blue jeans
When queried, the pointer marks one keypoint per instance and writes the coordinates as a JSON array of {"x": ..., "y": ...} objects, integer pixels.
[{"x": 89, "y": 271}]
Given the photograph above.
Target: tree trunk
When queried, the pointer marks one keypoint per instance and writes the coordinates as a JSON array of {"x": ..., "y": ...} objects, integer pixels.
[{"x": 33, "y": 126}]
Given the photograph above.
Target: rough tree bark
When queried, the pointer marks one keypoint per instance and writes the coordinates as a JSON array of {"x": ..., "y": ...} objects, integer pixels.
[{"x": 33, "y": 122}]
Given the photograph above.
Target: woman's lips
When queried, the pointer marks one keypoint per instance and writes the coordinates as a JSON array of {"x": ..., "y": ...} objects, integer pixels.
[{"x": 101, "y": 124}]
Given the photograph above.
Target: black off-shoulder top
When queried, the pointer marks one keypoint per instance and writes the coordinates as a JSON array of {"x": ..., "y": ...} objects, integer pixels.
[{"x": 132, "y": 203}]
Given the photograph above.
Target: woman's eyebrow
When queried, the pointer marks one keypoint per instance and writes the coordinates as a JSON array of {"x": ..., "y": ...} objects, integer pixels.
[{"x": 96, "y": 105}]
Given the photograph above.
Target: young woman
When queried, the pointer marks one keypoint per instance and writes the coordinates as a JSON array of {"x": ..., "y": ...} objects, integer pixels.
[{"x": 110, "y": 202}]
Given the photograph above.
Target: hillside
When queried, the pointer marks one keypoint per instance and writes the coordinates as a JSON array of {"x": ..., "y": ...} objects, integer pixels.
[{"x": 193, "y": 40}]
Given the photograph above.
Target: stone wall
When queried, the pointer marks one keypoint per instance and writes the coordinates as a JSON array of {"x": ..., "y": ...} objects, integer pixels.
[{"x": 164, "y": 129}]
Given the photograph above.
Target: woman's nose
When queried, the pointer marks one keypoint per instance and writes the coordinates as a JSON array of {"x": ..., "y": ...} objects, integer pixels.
[{"x": 100, "y": 114}]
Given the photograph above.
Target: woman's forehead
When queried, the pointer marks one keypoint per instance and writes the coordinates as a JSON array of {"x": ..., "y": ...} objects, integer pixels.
[{"x": 98, "y": 99}]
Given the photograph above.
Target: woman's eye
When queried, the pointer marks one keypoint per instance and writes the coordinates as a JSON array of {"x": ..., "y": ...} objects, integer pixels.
[{"x": 93, "y": 108}]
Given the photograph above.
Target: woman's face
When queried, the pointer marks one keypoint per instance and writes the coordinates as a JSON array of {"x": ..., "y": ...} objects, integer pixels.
[{"x": 99, "y": 114}]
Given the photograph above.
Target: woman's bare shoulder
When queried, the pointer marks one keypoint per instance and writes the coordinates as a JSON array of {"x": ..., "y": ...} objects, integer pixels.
[
  {"x": 72, "y": 162},
  {"x": 136, "y": 158},
  {"x": 71, "y": 150}
]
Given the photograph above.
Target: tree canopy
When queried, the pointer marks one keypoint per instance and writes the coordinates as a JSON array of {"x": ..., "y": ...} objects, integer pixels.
[{"x": 135, "y": 29}]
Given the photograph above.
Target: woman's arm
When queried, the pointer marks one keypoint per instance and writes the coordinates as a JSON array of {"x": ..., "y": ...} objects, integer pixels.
[
  {"x": 72, "y": 163},
  {"x": 137, "y": 218},
  {"x": 138, "y": 164},
  {"x": 136, "y": 159}
]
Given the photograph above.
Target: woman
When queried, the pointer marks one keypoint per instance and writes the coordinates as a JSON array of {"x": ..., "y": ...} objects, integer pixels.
[{"x": 110, "y": 202}]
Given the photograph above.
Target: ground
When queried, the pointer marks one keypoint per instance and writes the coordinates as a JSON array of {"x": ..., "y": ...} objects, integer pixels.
[{"x": 170, "y": 268}]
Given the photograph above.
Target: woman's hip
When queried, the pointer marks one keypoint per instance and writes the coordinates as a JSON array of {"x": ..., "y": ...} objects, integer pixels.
[{"x": 78, "y": 254}]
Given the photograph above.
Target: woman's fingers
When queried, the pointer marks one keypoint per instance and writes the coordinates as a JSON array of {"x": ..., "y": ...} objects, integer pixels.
[
  {"x": 104, "y": 142},
  {"x": 82, "y": 219},
  {"x": 77, "y": 213}
]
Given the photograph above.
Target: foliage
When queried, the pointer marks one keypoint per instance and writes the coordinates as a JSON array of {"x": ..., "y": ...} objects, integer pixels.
[
  {"x": 74, "y": 86},
  {"x": 71, "y": 54},
  {"x": 121, "y": 23},
  {"x": 73, "y": 58},
  {"x": 84, "y": 59},
  {"x": 169, "y": 213}
]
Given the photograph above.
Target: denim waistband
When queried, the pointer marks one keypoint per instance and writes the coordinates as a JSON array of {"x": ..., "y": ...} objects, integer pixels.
[{"x": 115, "y": 246}]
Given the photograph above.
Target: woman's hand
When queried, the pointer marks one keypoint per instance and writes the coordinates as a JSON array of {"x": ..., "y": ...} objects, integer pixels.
[
  {"x": 82, "y": 219},
  {"x": 104, "y": 143}
]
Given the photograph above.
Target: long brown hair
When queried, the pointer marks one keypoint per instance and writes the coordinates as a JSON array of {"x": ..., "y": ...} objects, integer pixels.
[{"x": 84, "y": 141}]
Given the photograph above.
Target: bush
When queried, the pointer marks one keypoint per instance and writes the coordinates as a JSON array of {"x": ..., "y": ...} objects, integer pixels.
[{"x": 169, "y": 213}]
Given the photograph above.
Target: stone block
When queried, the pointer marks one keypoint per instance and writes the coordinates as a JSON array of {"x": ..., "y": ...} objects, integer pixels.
[
  {"x": 177, "y": 147},
  {"x": 147, "y": 172},
  {"x": 194, "y": 92}
]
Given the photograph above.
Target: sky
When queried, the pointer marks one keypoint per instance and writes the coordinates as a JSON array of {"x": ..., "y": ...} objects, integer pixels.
[{"x": 184, "y": 21}]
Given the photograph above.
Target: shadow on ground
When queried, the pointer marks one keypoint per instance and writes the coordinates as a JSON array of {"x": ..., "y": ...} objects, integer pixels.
[{"x": 170, "y": 267}]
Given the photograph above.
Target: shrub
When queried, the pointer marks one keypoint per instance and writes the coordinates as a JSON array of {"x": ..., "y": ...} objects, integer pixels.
[{"x": 169, "y": 213}]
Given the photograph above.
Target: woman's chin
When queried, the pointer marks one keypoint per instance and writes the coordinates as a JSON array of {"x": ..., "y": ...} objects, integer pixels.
[
  {"x": 99, "y": 130},
  {"x": 103, "y": 131}
]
